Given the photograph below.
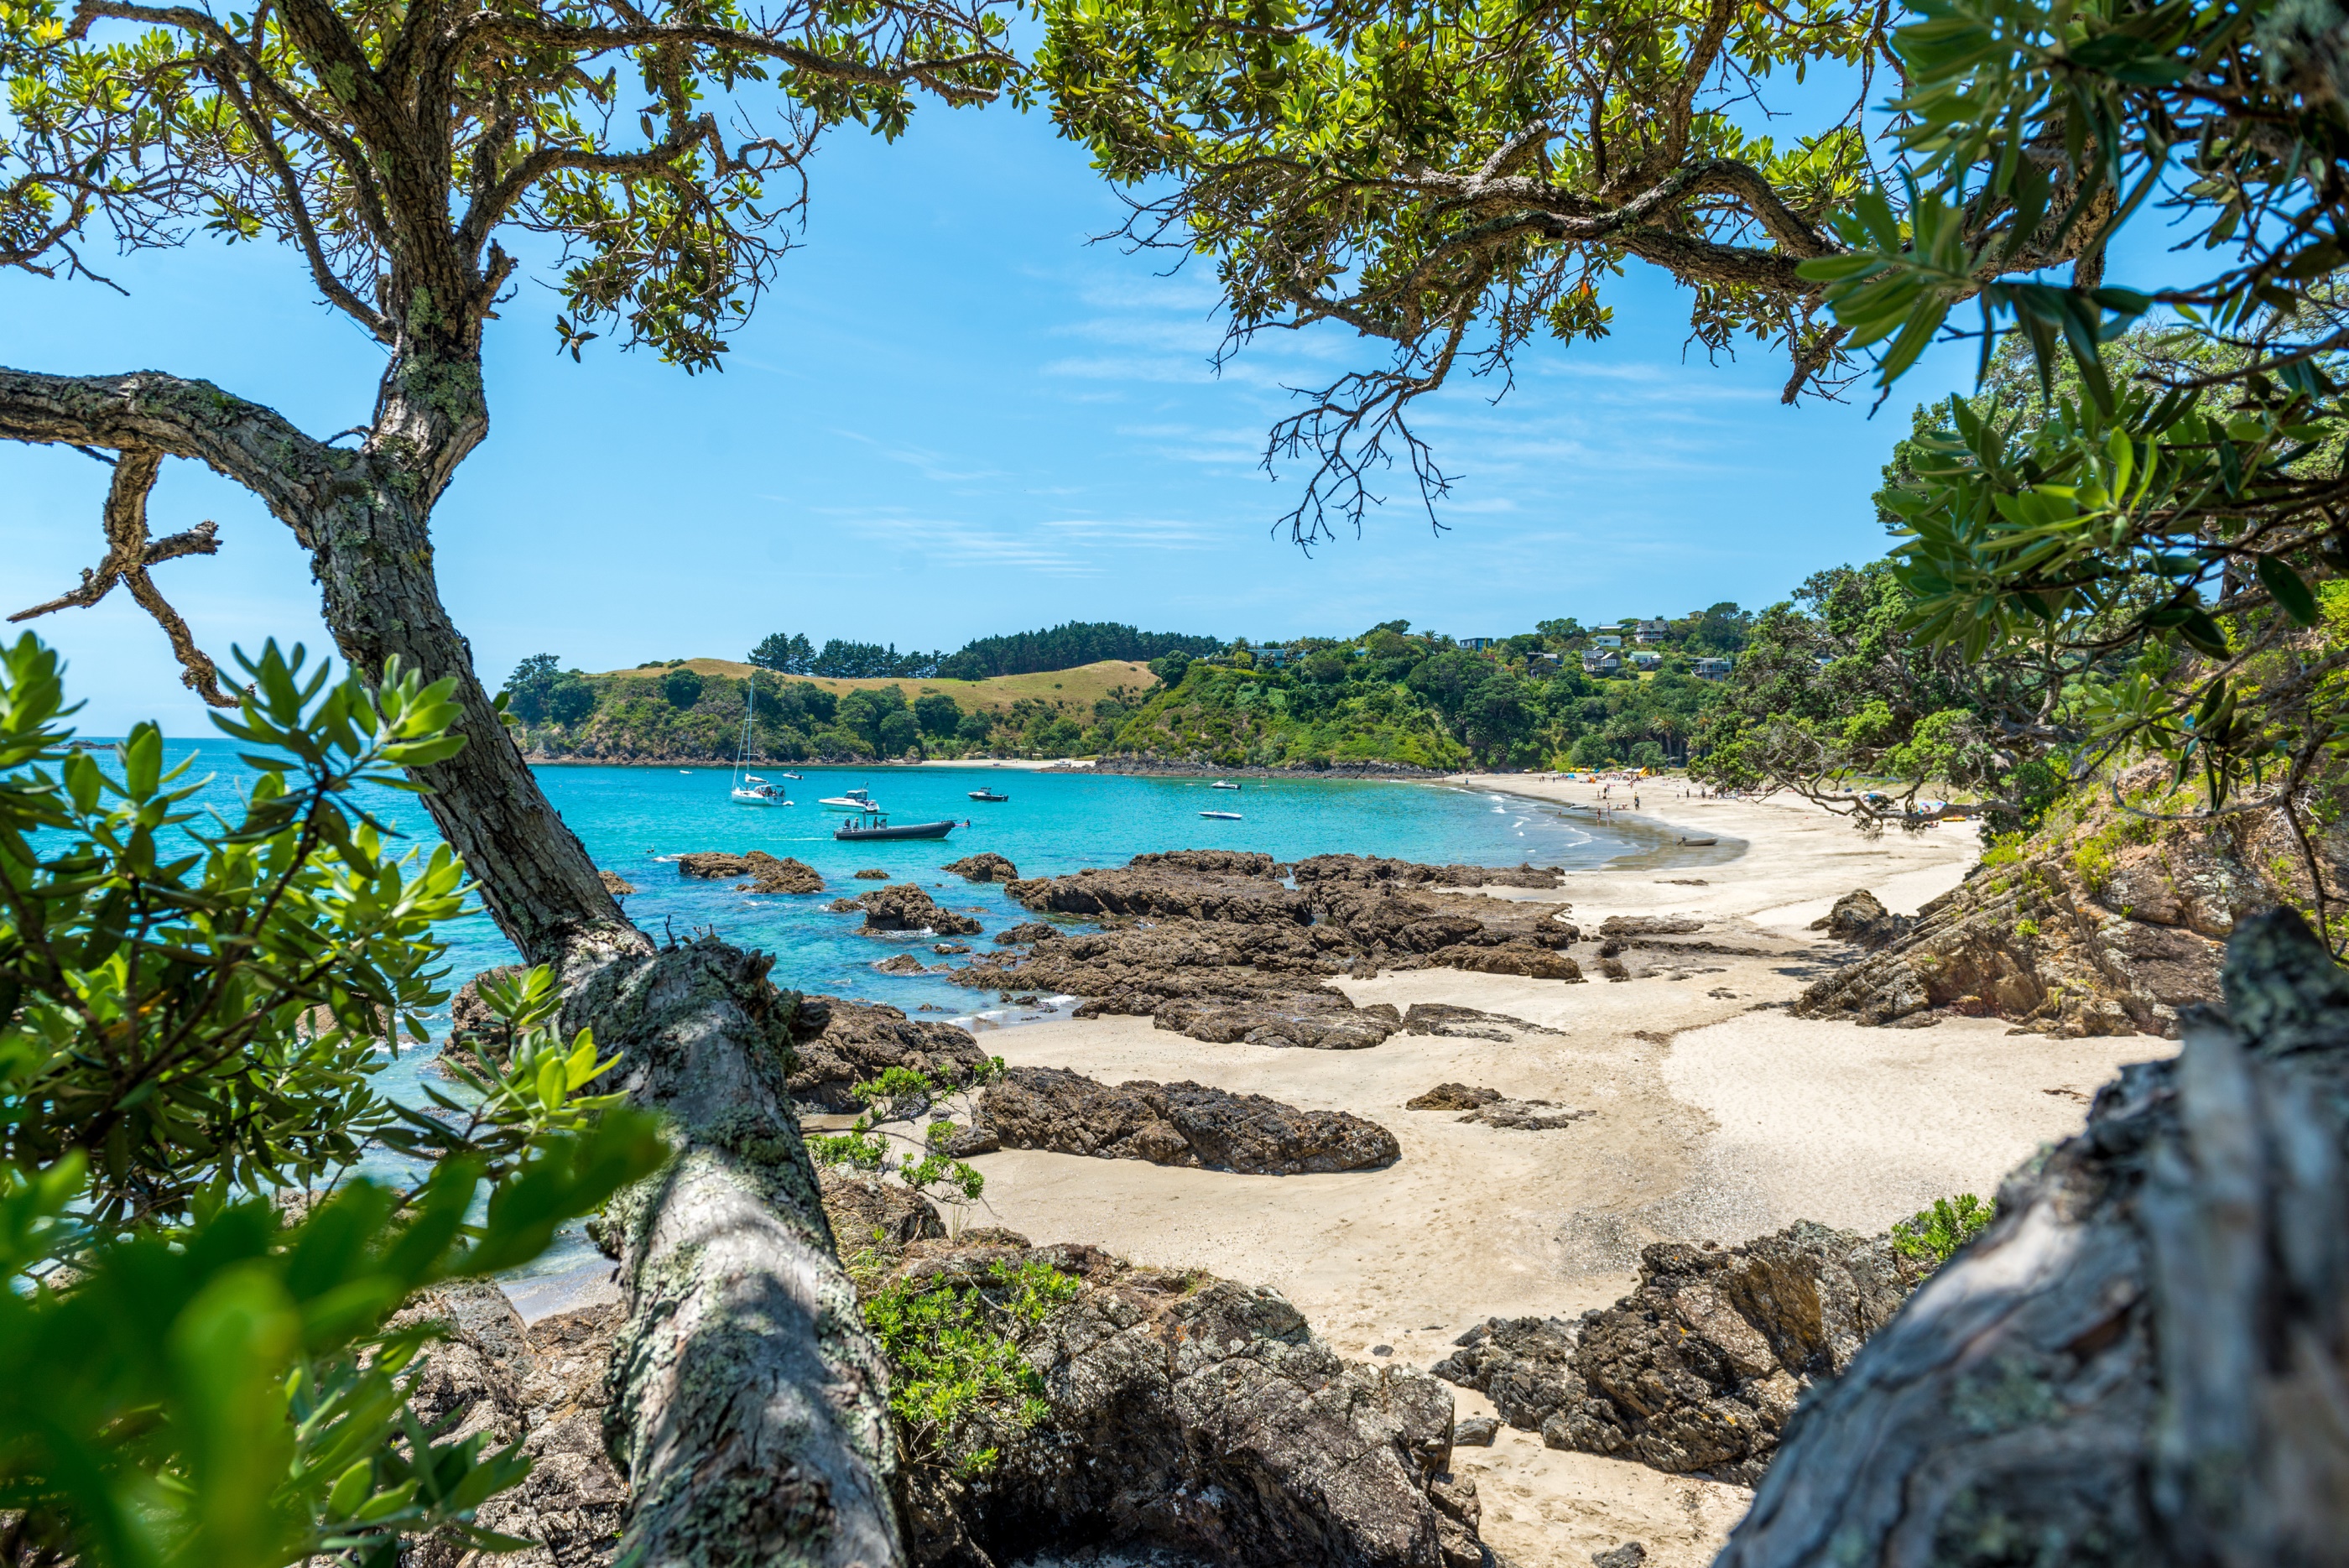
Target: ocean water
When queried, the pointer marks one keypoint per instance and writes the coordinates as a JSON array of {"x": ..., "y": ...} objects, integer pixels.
[{"x": 635, "y": 821}]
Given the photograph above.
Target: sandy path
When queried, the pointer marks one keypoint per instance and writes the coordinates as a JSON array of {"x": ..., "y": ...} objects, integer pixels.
[{"x": 1717, "y": 1117}]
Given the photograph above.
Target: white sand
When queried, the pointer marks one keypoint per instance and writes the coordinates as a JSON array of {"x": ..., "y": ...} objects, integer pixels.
[{"x": 1716, "y": 1121}]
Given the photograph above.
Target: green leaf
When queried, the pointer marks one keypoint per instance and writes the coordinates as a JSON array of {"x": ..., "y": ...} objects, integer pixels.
[{"x": 2290, "y": 592}]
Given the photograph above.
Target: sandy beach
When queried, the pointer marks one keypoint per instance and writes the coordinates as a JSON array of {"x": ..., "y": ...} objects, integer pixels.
[{"x": 1717, "y": 1117}]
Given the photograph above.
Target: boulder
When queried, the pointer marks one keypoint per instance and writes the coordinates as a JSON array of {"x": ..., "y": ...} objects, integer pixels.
[
  {"x": 856, "y": 1041},
  {"x": 1182, "y": 1419},
  {"x": 1649, "y": 926},
  {"x": 1025, "y": 933},
  {"x": 1165, "y": 886},
  {"x": 1526, "y": 1116},
  {"x": 616, "y": 885},
  {"x": 905, "y": 907},
  {"x": 950, "y": 949},
  {"x": 1177, "y": 1124},
  {"x": 1451, "y": 1097},
  {"x": 770, "y": 874},
  {"x": 871, "y": 873},
  {"x": 1376, "y": 871},
  {"x": 1510, "y": 958},
  {"x": 1699, "y": 1369},
  {"x": 1861, "y": 917},
  {"x": 477, "y": 1035},
  {"x": 985, "y": 866},
  {"x": 899, "y": 963},
  {"x": 872, "y": 1218},
  {"x": 711, "y": 864}
]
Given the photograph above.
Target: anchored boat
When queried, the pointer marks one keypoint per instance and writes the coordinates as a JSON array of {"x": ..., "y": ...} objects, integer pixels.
[
  {"x": 988, "y": 795},
  {"x": 750, "y": 789},
  {"x": 851, "y": 800},
  {"x": 1222, "y": 816},
  {"x": 879, "y": 828},
  {"x": 1223, "y": 784}
]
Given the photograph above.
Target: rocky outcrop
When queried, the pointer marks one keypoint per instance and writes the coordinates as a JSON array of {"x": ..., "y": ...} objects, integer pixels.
[
  {"x": 1649, "y": 926},
  {"x": 985, "y": 866},
  {"x": 1495, "y": 1110},
  {"x": 870, "y": 874},
  {"x": 1308, "y": 1021},
  {"x": 1184, "y": 1418},
  {"x": 1026, "y": 932},
  {"x": 873, "y": 1220},
  {"x": 478, "y": 1036},
  {"x": 1376, "y": 871},
  {"x": 1447, "y": 1022},
  {"x": 1861, "y": 919},
  {"x": 2105, "y": 922},
  {"x": 541, "y": 1385},
  {"x": 905, "y": 907},
  {"x": 899, "y": 963},
  {"x": 615, "y": 883},
  {"x": 1165, "y": 888},
  {"x": 1699, "y": 1369},
  {"x": 766, "y": 873},
  {"x": 1177, "y": 1124},
  {"x": 841, "y": 1044}
]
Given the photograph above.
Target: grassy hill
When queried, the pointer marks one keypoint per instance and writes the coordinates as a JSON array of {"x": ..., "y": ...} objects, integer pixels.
[{"x": 691, "y": 710}]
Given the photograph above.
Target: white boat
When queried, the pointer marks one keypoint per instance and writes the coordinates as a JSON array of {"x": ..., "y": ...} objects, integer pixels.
[
  {"x": 851, "y": 800},
  {"x": 750, "y": 789},
  {"x": 1222, "y": 816},
  {"x": 1223, "y": 784}
]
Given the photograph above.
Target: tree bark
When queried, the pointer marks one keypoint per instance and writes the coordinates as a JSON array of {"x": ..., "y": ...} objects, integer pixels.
[
  {"x": 2146, "y": 1360},
  {"x": 752, "y": 1410}
]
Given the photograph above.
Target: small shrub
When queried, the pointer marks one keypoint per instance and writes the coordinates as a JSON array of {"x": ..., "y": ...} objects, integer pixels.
[
  {"x": 959, "y": 1376},
  {"x": 1933, "y": 1235},
  {"x": 2026, "y": 928}
]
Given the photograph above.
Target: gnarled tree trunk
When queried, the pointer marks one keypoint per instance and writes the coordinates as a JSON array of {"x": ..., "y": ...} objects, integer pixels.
[
  {"x": 2146, "y": 1360},
  {"x": 752, "y": 1415}
]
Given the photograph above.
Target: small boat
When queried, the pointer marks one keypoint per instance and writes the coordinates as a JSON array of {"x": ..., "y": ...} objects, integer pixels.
[
  {"x": 1222, "y": 816},
  {"x": 880, "y": 828},
  {"x": 1699, "y": 843},
  {"x": 1223, "y": 784},
  {"x": 989, "y": 795},
  {"x": 851, "y": 800},
  {"x": 750, "y": 789}
]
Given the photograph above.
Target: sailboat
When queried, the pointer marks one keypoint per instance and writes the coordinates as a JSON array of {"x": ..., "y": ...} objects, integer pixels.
[{"x": 750, "y": 789}]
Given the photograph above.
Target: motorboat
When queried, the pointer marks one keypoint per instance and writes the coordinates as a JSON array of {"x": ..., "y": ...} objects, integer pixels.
[
  {"x": 1699, "y": 843},
  {"x": 880, "y": 828},
  {"x": 750, "y": 789},
  {"x": 1223, "y": 784},
  {"x": 988, "y": 795},
  {"x": 851, "y": 800},
  {"x": 1222, "y": 816}
]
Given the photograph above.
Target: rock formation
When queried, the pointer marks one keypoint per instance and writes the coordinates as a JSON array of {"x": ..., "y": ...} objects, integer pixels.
[
  {"x": 1177, "y": 1124},
  {"x": 870, "y": 874},
  {"x": 1698, "y": 1369},
  {"x": 985, "y": 866},
  {"x": 2142, "y": 1360},
  {"x": 1376, "y": 871},
  {"x": 1495, "y": 1109},
  {"x": 542, "y": 1385},
  {"x": 1860, "y": 918},
  {"x": 478, "y": 1038},
  {"x": 1185, "y": 1416},
  {"x": 2103, "y": 923},
  {"x": 1447, "y": 1022},
  {"x": 904, "y": 907},
  {"x": 841, "y": 1044},
  {"x": 616, "y": 885},
  {"x": 767, "y": 873}
]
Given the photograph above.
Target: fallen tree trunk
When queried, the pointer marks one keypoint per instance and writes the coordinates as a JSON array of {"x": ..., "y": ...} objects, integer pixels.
[{"x": 2146, "y": 1360}]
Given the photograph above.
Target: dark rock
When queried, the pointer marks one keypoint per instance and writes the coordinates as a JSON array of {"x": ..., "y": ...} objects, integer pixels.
[
  {"x": 1474, "y": 1432},
  {"x": 1612, "y": 968},
  {"x": 1026, "y": 932},
  {"x": 969, "y": 1141},
  {"x": 900, "y": 964},
  {"x": 948, "y": 950},
  {"x": 541, "y": 1386},
  {"x": 616, "y": 885},
  {"x": 1177, "y": 1124},
  {"x": 1700, "y": 1368},
  {"x": 1303, "y": 1020},
  {"x": 1195, "y": 1417},
  {"x": 985, "y": 866},
  {"x": 1452, "y": 1023},
  {"x": 1511, "y": 957},
  {"x": 904, "y": 907},
  {"x": 1211, "y": 862},
  {"x": 1859, "y": 918},
  {"x": 1167, "y": 886},
  {"x": 711, "y": 864},
  {"x": 859, "y": 1041},
  {"x": 1630, "y": 1554},
  {"x": 1376, "y": 871},
  {"x": 871, "y": 873},
  {"x": 1526, "y": 1116},
  {"x": 1451, "y": 1097},
  {"x": 773, "y": 874},
  {"x": 1649, "y": 926}
]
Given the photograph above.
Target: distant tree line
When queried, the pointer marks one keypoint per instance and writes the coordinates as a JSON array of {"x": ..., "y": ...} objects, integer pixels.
[{"x": 1022, "y": 653}]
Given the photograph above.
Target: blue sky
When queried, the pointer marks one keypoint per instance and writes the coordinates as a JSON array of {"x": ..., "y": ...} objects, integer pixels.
[{"x": 953, "y": 417}]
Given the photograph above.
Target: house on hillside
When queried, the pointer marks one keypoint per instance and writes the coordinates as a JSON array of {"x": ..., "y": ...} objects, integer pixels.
[
  {"x": 1710, "y": 668},
  {"x": 1646, "y": 660},
  {"x": 1650, "y": 631},
  {"x": 1479, "y": 644},
  {"x": 1553, "y": 660},
  {"x": 1273, "y": 655},
  {"x": 1601, "y": 661},
  {"x": 1606, "y": 642}
]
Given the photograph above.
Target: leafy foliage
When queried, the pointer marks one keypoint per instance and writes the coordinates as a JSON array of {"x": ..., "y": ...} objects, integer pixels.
[
  {"x": 952, "y": 1347},
  {"x": 895, "y": 1102},
  {"x": 1067, "y": 647},
  {"x": 1932, "y": 1236},
  {"x": 191, "y": 1015}
]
